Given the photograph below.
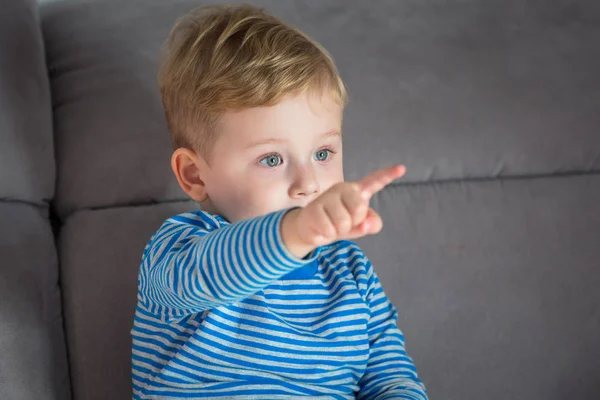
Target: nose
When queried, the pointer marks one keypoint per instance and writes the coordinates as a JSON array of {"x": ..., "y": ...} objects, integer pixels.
[{"x": 305, "y": 183}]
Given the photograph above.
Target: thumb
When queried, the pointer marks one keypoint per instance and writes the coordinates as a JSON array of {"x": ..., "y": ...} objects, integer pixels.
[{"x": 371, "y": 225}]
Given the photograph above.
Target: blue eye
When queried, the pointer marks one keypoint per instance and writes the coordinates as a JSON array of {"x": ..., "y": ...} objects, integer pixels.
[
  {"x": 322, "y": 155},
  {"x": 272, "y": 160}
]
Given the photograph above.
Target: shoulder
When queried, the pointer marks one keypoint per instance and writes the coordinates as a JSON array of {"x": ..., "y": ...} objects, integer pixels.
[
  {"x": 196, "y": 219},
  {"x": 188, "y": 224}
]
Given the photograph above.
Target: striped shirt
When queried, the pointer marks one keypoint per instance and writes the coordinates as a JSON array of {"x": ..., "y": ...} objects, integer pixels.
[{"x": 225, "y": 311}]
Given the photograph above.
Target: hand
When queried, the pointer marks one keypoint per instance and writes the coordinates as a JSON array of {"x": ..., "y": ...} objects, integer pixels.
[{"x": 342, "y": 212}]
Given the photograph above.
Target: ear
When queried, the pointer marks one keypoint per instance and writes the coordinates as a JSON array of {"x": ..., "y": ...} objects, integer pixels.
[{"x": 185, "y": 164}]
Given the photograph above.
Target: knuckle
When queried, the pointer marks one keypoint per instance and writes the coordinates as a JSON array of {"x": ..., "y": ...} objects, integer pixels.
[
  {"x": 359, "y": 214},
  {"x": 322, "y": 230},
  {"x": 353, "y": 198},
  {"x": 314, "y": 232},
  {"x": 338, "y": 186},
  {"x": 360, "y": 208},
  {"x": 330, "y": 231},
  {"x": 349, "y": 187},
  {"x": 345, "y": 225}
]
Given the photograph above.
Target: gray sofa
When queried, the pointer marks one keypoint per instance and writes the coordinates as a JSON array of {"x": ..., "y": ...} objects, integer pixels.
[{"x": 491, "y": 243}]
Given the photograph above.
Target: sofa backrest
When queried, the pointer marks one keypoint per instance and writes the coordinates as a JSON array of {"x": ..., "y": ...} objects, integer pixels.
[
  {"x": 490, "y": 243},
  {"x": 33, "y": 360}
]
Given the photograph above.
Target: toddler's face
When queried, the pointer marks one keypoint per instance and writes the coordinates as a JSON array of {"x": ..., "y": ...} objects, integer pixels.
[{"x": 270, "y": 158}]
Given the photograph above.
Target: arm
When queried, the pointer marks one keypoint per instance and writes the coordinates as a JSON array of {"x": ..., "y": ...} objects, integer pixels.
[
  {"x": 390, "y": 372},
  {"x": 188, "y": 268}
]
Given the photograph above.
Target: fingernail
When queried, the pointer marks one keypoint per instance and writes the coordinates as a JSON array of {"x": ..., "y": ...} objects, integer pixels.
[{"x": 364, "y": 195}]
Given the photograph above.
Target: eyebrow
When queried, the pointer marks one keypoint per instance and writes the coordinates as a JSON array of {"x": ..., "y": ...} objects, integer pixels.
[{"x": 273, "y": 140}]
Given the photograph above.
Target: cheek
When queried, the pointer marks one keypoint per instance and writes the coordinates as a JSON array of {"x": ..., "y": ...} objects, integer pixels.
[
  {"x": 248, "y": 192},
  {"x": 334, "y": 174},
  {"x": 264, "y": 194},
  {"x": 251, "y": 201}
]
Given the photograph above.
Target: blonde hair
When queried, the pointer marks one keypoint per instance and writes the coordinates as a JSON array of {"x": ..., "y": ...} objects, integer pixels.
[{"x": 229, "y": 58}]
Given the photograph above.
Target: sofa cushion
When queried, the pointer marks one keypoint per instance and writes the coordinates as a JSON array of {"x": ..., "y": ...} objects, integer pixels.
[
  {"x": 26, "y": 150},
  {"x": 496, "y": 283},
  {"x": 33, "y": 360},
  {"x": 474, "y": 89},
  {"x": 101, "y": 252}
]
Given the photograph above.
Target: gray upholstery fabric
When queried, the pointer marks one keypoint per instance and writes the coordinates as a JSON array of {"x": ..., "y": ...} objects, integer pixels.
[
  {"x": 496, "y": 280},
  {"x": 26, "y": 149},
  {"x": 33, "y": 362},
  {"x": 101, "y": 251},
  {"x": 102, "y": 64},
  {"x": 454, "y": 90},
  {"x": 496, "y": 283}
]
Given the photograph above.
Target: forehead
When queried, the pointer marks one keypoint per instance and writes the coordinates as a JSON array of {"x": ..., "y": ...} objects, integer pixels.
[{"x": 298, "y": 116}]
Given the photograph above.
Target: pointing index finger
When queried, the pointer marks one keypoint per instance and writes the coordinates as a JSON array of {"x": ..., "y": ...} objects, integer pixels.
[{"x": 377, "y": 180}]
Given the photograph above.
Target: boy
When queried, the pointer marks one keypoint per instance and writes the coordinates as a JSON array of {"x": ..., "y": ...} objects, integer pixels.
[{"x": 261, "y": 295}]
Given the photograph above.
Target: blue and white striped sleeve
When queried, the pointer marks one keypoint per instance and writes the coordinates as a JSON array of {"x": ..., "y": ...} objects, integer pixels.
[
  {"x": 390, "y": 372},
  {"x": 188, "y": 267}
]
